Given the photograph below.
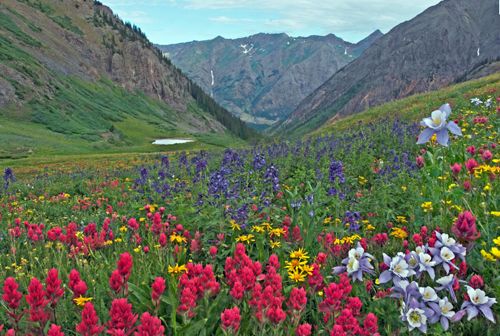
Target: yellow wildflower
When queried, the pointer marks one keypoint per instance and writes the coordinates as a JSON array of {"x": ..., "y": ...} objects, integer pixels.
[
  {"x": 401, "y": 219},
  {"x": 274, "y": 244},
  {"x": 399, "y": 233},
  {"x": 294, "y": 263},
  {"x": 495, "y": 213},
  {"x": 327, "y": 220},
  {"x": 80, "y": 301},
  {"x": 497, "y": 240},
  {"x": 118, "y": 240},
  {"x": 258, "y": 229},
  {"x": 308, "y": 269},
  {"x": 299, "y": 254},
  {"x": 177, "y": 238},
  {"x": 177, "y": 269},
  {"x": 296, "y": 275},
  {"x": 277, "y": 232},
  {"x": 234, "y": 226},
  {"x": 123, "y": 228},
  {"x": 427, "y": 206},
  {"x": 362, "y": 180},
  {"x": 487, "y": 256},
  {"x": 496, "y": 252},
  {"x": 246, "y": 238},
  {"x": 404, "y": 188}
]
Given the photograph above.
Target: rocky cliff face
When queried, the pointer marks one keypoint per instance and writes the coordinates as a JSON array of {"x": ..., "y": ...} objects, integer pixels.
[
  {"x": 442, "y": 45},
  {"x": 85, "y": 40},
  {"x": 263, "y": 77}
]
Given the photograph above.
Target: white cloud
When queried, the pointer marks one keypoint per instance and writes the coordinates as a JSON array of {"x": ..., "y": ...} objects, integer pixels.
[
  {"x": 330, "y": 16},
  {"x": 230, "y": 20}
]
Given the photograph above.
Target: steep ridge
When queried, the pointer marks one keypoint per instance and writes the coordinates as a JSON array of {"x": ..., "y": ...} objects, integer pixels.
[
  {"x": 76, "y": 69},
  {"x": 262, "y": 78},
  {"x": 450, "y": 42}
]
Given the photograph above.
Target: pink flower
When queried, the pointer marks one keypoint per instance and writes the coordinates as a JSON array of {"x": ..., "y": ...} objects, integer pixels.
[
  {"x": 37, "y": 302},
  {"x": 456, "y": 168},
  {"x": 304, "y": 329},
  {"x": 121, "y": 315},
  {"x": 471, "y": 164},
  {"x": 11, "y": 296},
  {"x": 89, "y": 326},
  {"x": 231, "y": 319},
  {"x": 157, "y": 289},
  {"x": 419, "y": 160},
  {"x": 150, "y": 326},
  {"x": 298, "y": 299},
  {"x": 55, "y": 330},
  {"x": 53, "y": 289},
  {"x": 476, "y": 281},
  {"x": 487, "y": 155},
  {"x": 124, "y": 265},
  {"x": 465, "y": 228}
]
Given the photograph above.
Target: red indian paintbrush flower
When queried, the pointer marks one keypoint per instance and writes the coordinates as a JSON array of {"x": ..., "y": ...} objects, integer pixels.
[
  {"x": 116, "y": 281},
  {"x": 304, "y": 329},
  {"x": 121, "y": 315},
  {"x": 55, "y": 330},
  {"x": 150, "y": 326},
  {"x": 157, "y": 289},
  {"x": 89, "y": 326},
  {"x": 231, "y": 319},
  {"x": 53, "y": 289},
  {"x": 37, "y": 302},
  {"x": 124, "y": 265},
  {"x": 11, "y": 296},
  {"x": 465, "y": 228}
]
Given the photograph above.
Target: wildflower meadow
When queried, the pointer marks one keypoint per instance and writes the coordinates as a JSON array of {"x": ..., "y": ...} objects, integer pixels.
[{"x": 390, "y": 228}]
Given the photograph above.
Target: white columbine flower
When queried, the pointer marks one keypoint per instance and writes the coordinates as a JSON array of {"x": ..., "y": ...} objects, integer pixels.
[
  {"x": 447, "y": 240},
  {"x": 446, "y": 308},
  {"x": 416, "y": 318},
  {"x": 477, "y": 296},
  {"x": 446, "y": 254},
  {"x": 446, "y": 280},
  {"x": 352, "y": 265},
  {"x": 400, "y": 267},
  {"x": 428, "y": 294},
  {"x": 356, "y": 252}
]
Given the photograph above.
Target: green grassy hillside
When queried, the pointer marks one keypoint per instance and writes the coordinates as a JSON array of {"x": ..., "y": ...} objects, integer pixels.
[
  {"x": 58, "y": 95},
  {"x": 416, "y": 106}
]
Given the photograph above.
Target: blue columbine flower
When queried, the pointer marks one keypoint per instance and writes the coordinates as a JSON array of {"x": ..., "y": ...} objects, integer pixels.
[{"x": 437, "y": 124}]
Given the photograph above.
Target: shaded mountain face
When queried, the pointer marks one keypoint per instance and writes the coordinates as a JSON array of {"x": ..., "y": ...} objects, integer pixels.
[
  {"x": 262, "y": 78},
  {"x": 449, "y": 42},
  {"x": 65, "y": 51}
]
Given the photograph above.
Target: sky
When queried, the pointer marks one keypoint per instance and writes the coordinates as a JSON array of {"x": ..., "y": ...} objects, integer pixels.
[{"x": 174, "y": 21}]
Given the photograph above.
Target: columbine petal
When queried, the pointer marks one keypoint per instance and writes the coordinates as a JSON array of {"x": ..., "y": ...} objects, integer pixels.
[
  {"x": 446, "y": 108},
  {"x": 442, "y": 137},
  {"x": 425, "y": 136},
  {"x": 471, "y": 312},
  {"x": 445, "y": 323},
  {"x": 454, "y": 128},
  {"x": 385, "y": 276},
  {"x": 487, "y": 313}
]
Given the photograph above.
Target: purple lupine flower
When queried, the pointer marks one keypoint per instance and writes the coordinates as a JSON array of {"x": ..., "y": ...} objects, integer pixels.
[
  {"x": 446, "y": 282},
  {"x": 443, "y": 310},
  {"x": 336, "y": 171},
  {"x": 437, "y": 124},
  {"x": 8, "y": 177},
  {"x": 479, "y": 302},
  {"x": 357, "y": 263},
  {"x": 398, "y": 267}
]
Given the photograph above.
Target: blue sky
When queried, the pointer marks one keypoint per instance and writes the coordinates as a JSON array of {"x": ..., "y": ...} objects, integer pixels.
[{"x": 173, "y": 21}]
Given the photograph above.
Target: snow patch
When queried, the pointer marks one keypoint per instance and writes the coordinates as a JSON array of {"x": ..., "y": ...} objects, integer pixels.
[
  {"x": 246, "y": 48},
  {"x": 478, "y": 51},
  {"x": 213, "y": 79}
]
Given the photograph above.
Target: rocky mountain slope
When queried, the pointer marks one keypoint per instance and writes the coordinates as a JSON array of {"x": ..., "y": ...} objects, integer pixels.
[
  {"x": 73, "y": 67},
  {"x": 450, "y": 42},
  {"x": 262, "y": 78}
]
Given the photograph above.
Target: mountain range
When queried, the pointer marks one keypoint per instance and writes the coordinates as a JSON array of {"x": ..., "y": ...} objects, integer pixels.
[
  {"x": 262, "y": 78},
  {"x": 452, "y": 41},
  {"x": 74, "y": 71}
]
